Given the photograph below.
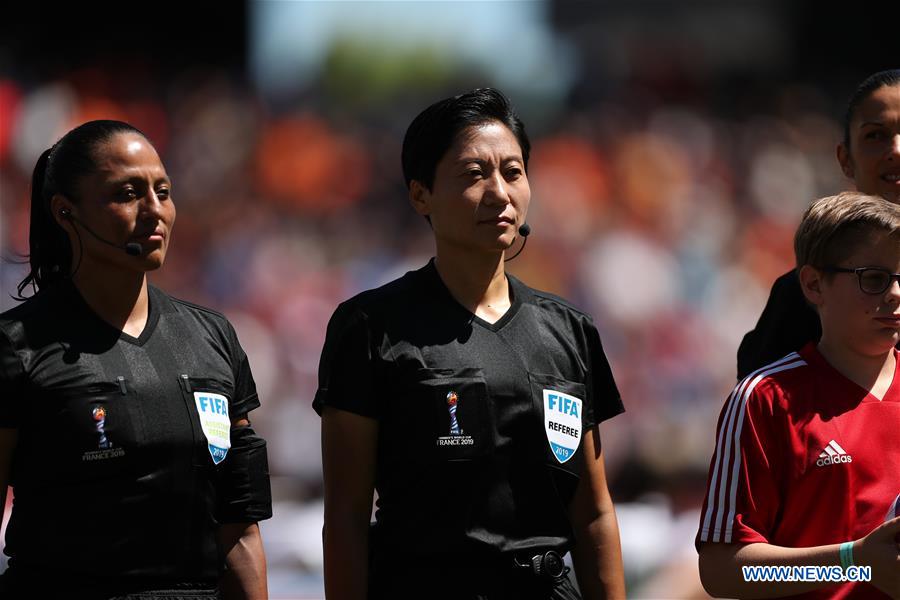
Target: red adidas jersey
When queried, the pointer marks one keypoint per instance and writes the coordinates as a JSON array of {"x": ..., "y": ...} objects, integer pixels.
[{"x": 804, "y": 457}]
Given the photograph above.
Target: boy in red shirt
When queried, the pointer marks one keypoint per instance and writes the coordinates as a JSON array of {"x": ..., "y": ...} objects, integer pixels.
[{"x": 807, "y": 459}]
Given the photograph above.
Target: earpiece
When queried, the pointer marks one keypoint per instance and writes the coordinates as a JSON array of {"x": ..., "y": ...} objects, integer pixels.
[
  {"x": 524, "y": 230},
  {"x": 131, "y": 248}
]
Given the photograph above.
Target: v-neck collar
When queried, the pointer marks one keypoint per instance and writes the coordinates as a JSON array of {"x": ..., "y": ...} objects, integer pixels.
[
  {"x": 834, "y": 377},
  {"x": 98, "y": 321},
  {"x": 516, "y": 293}
]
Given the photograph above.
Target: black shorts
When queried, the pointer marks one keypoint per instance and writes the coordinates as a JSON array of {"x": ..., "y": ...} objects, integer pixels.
[
  {"x": 417, "y": 583},
  {"x": 173, "y": 594},
  {"x": 15, "y": 586},
  {"x": 438, "y": 590}
]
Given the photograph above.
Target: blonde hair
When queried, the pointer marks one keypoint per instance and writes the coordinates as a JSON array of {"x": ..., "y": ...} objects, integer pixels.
[{"x": 835, "y": 226}]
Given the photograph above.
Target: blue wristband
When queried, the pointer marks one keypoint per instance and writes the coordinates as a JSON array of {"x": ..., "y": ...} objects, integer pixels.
[{"x": 846, "y": 555}]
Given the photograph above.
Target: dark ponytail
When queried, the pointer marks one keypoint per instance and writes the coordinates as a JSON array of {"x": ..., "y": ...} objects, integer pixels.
[
  {"x": 58, "y": 171},
  {"x": 50, "y": 253}
]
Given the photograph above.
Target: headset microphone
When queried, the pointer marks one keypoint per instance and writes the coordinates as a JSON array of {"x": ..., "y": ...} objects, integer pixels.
[
  {"x": 524, "y": 231},
  {"x": 131, "y": 248}
]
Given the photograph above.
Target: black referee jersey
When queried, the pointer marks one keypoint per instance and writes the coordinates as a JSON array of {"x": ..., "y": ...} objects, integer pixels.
[
  {"x": 786, "y": 324},
  {"x": 122, "y": 471},
  {"x": 480, "y": 424}
]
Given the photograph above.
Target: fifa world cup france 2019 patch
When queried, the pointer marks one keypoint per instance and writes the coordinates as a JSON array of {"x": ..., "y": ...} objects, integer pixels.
[
  {"x": 213, "y": 411},
  {"x": 562, "y": 423},
  {"x": 456, "y": 435},
  {"x": 105, "y": 448}
]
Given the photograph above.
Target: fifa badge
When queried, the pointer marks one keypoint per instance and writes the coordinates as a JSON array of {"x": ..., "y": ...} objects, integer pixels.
[{"x": 562, "y": 423}]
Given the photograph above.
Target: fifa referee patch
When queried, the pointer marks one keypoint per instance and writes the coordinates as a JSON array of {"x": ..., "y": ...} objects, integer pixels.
[
  {"x": 562, "y": 423},
  {"x": 213, "y": 411}
]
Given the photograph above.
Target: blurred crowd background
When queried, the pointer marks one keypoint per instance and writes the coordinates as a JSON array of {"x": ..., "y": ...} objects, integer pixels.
[{"x": 675, "y": 145}]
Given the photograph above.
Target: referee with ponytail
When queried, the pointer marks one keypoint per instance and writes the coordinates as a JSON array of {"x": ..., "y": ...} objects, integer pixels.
[{"x": 123, "y": 411}]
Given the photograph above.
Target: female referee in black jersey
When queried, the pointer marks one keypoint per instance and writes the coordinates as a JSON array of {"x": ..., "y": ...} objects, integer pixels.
[
  {"x": 869, "y": 155},
  {"x": 468, "y": 400},
  {"x": 123, "y": 412}
]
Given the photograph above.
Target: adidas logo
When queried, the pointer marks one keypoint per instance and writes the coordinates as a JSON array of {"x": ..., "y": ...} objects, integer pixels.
[{"x": 833, "y": 454}]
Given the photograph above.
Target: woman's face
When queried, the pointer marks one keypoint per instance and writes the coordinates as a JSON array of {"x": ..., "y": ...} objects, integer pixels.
[
  {"x": 480, "y": 194},
  {"x": 127, "y": 199},
  {"x": 873, "y": 159}
]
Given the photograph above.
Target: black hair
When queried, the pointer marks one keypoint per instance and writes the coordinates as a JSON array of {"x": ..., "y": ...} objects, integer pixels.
[
  {"x": 871, "y": 84},
  {"x": 58, "y": 171},
  {"x": 434, "y": 130}
]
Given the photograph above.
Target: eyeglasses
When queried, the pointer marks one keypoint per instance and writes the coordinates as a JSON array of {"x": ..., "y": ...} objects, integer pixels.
[{"x": 872, "y": 280}]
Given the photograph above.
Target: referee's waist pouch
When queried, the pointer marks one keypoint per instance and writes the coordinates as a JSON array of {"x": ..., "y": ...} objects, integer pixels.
[{"x": 397, "y": 573}]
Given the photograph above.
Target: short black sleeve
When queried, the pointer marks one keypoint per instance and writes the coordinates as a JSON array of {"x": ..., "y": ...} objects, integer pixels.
[
  {"x": 245, "y": 396},
  {"x": 244, "y": 493},
  {"x": 11, "y": 383},
  {"x": 346, "y": 368},
  {"x": 606, "y": 402},
  {"x": 786, "y": 324}
]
